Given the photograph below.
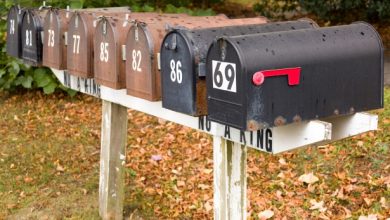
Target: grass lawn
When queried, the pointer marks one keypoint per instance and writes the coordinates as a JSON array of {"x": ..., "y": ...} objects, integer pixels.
[{"x": 49, "y": 166}]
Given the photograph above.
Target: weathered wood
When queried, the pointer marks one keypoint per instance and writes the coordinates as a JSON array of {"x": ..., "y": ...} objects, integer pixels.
[
  {"x": 112, "y": 160},
  {"x": 229, "y": 180}
]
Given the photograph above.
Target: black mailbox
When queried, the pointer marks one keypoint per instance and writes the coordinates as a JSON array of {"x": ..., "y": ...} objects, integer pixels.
[
  {"x": 272, "y": 79},
  {"x": 32, "y": 36},
  {"x": 14, "y": 23},
  {"x": 183, "y": 58}
]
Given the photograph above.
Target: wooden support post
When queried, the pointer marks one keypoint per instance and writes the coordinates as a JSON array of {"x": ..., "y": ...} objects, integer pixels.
[
  {"x": 112, "y": 160},
  {"x": 229, "y": 180}
]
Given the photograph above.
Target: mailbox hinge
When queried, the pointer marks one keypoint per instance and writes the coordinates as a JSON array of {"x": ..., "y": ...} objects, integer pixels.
[
  {"x": 124, "y": 52},
  {"x": 158, "y": 61},
  {"x": 66, "y": 38}
]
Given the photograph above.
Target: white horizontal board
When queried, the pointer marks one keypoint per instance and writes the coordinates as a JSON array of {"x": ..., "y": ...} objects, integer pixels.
[
  {"x": 351, "y": 125},
  {"x": 271, "y": 140}
]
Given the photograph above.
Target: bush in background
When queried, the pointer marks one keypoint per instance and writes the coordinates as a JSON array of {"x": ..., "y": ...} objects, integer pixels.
[{"x": 333, "y": 11}]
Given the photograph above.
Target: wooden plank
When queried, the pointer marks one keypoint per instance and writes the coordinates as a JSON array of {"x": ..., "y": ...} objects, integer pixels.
[
  {"x": 230, "y": 181},
  {"x": 351, "y": 125},
  {"x": 112, "y": 160}
]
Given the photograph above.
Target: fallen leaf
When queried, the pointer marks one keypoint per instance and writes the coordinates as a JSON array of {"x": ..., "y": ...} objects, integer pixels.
[
  {"x": 369, "y": 217},
  {"x": 282, "y": 162},
  {"x": 308, "y": 178},
  {"x": 11, "y": 206},
  {"x": 348, "y": 213},
  {"x": 181, "y": 183},
  {"x": 360, "y": 143},
  {"x": 28, "y": 179},
  {"x": 266, "y": 214},
  {"x": 368, "y": 201},
  {"x": 317, "y": 205},
  {"x": 60, "y": 168},
  {"x": 383, "y": 203},
  {"x": 208, "y": 206},
  {"x": 203, "y": 186},
  {"x": 157, "y": 157},
  {"x": 207, "y": 171}
]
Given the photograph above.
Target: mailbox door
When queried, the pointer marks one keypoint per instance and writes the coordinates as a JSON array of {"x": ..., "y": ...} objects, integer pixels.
[
  {"x": 32, "y": 37},
  {"x": 54, "y": 48},
  {"x": 140, "y": 81},
  {"x": 79, "y": 51},
  {"x": 14, "y": 22},
  {"x": 176, "y": 86},
  {"x": 225, "y": 87},
  {"x": 107, "y": 55},
  {"x": 142, "y": 49}
]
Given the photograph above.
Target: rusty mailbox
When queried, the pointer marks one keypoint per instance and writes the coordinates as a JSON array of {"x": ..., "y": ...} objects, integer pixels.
[
  {"x": 80, "y": 40},
  {"x": 143, "y": 48},
  {"x": 183, "y": 55},
  {"x": 272, "y": 79},
  {"x": 32, "y": 36},
  {"x": 14, "y": 25},
  {"x": 55, "y": 32},
  {"x": 109, "y": 46}
]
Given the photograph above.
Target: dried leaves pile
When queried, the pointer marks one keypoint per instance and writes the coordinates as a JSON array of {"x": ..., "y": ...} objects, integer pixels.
[{"x": 169, "y": 168}]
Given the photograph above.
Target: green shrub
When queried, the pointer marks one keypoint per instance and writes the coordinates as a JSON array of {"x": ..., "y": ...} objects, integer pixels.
[
  {"x": 276, "y": 8},
  {"x": 337, "y": 11}
]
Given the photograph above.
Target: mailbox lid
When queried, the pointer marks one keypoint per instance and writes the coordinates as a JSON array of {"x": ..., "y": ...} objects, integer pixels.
[
  {"x": 195, "y": 52},
  {"x": 341, "y": 72},
  {"x": 108, "y": 61},
  {"x": 31, "y": 36},
  {"x": 79, "y": 48},
  {"x": 14, "y": 24},
  {"x": 54, "y": 46}
]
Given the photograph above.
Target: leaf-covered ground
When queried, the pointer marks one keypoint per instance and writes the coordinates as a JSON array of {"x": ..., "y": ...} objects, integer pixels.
[{"x": 49, "y": 164}]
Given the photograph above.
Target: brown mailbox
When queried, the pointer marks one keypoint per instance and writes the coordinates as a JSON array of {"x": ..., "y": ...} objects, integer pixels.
[
  {"x": 55, "y": 32},
  {"x": 109, "y": 43},
  {"x": 80, "y": 40},
  {"x": 143, "y": 49}
]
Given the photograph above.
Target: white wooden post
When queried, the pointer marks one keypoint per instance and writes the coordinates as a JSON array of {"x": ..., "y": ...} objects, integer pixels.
[
  {"x": 112, "y": 160},
  {"x": 229, "y": 180}
]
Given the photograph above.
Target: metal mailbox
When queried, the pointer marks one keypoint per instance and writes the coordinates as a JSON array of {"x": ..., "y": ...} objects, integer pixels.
[
  {"x": 32, "y": 36},
  {"x": 271, "y": 79},
  {"x": 109, "y": 46},
  {"x": 14, "y": 24},
  {"x": 183, "y": 67},
  {"x": 80, "y": 40},
  {"x": 143, "y": 48},
  {"x": 55, "y": 29}
]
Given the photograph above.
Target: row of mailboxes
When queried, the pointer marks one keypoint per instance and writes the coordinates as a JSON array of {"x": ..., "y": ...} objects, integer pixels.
[
  {"x": 143, "y": 48},
  {"x": 246, "y": 73}
]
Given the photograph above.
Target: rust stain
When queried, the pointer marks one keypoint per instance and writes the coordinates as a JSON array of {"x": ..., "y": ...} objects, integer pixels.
[
  {"x": 279, "y": 121},
  {"x": 297, "y": 119}
]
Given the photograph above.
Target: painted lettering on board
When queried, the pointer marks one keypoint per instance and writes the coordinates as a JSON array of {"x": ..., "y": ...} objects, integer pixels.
[
  {"x": 261, "y": 139},
  {"x": 88, "y": 86}
]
